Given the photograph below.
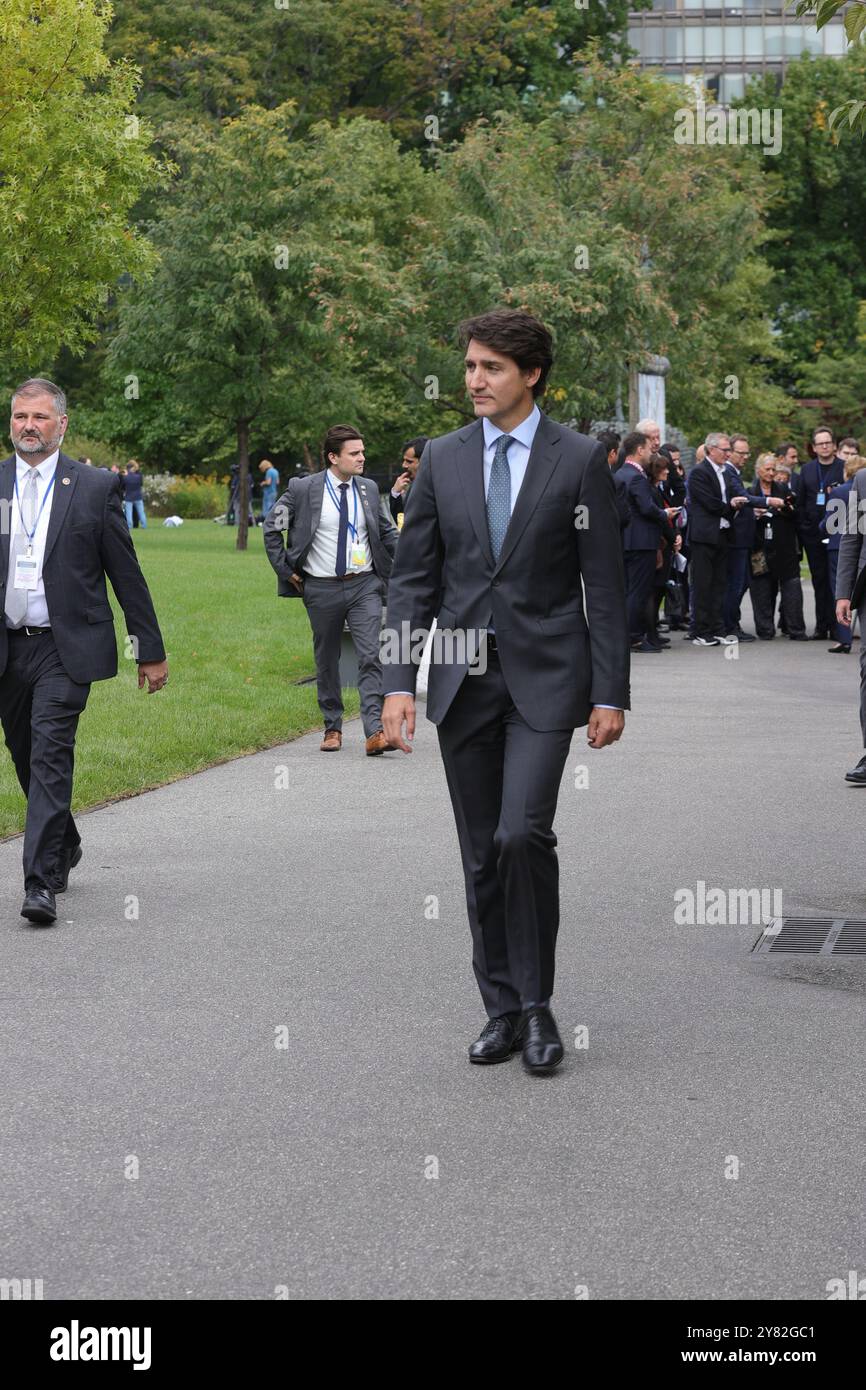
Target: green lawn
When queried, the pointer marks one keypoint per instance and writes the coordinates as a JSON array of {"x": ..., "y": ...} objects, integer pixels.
[{"x": 234, "y": 650}]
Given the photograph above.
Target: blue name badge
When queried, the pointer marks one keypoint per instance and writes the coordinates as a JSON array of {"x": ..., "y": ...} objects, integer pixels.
[{"x": 820, "y": 498}]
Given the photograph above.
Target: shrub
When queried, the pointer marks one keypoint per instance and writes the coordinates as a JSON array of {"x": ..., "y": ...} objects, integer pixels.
[{"x": 168, "y": 495}]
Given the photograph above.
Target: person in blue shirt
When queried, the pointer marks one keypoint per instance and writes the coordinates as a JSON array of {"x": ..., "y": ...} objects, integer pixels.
[{"x": 270, "y": 483}]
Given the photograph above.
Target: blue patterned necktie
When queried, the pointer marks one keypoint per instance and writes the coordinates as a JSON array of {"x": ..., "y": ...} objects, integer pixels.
[
  {"x": 499, "y": 495},
  {"x": 343, "y": 528}
]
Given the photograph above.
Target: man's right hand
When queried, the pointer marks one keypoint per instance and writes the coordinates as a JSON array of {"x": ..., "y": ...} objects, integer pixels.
[
  {"x": 298, "y": 581},
  {"x": 397, "y": 711},
  {"x": 843, "y": 611},
  {"x": 401, "y": 483}
]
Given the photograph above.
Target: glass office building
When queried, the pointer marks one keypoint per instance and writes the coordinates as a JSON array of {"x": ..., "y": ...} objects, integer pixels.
[{"x": 722, "y": 45}]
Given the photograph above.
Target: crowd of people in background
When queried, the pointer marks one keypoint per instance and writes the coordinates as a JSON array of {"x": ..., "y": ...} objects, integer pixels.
[
  {"x": 132, "y": 483},
  {"x": 695, "y": 543}
]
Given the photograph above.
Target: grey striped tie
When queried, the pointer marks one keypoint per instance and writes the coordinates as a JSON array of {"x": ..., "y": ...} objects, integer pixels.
[
  {"x": 499, "y": 495},
  {"x": 16, "y": 599}
]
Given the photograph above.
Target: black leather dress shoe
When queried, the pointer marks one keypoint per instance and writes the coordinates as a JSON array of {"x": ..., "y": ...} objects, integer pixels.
[
  {"x": 857, "y": 775},
  {"x": 745, "y": 636},
  {"x": 39, "y": 907},
  {"x": 68, "y": 859},
  {"x": 542, "y": 1045},
  {"x": 499, "y": 1038}
]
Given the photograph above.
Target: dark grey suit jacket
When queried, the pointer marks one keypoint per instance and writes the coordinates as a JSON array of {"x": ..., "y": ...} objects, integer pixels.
[
  {"x": 294, "y": 519},
  {"x": 852, "y": 545},
  {"x": 88, "y": 538},
  {"x": 556, "y": 664}
]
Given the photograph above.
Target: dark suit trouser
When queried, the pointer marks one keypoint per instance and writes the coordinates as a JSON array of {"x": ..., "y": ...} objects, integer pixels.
[
  {"x": 764, "y": 589},
  {"x": 738, "y": 583},
  {"x": 825, "y": 608},
  {"x": 504, "y": 780},
  {"x": 40, "y": 707},
  {"x": 841, "y": 630},
  {"x": 709, "y": 576},
  {"x": 862, "y": 613},
  {"x": 356, "y": 601},
  {"x": 640, "y": 573}
]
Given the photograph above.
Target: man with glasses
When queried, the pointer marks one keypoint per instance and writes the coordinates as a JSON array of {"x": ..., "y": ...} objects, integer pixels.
[
  {"x": 818, "y": 477},
  {"x": 714, "y": 499},
  {"x": 739, "y": 546}
]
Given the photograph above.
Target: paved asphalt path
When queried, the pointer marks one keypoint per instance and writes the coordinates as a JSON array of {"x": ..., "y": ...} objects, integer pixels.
[{"x": 309, "y": 1168}]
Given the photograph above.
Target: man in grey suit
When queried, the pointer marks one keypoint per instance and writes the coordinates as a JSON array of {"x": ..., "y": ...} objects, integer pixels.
[
  {"x": 851, "y": 590},
  {"x": 331, "y": 540},
  {"x": 513, "y": 519}
]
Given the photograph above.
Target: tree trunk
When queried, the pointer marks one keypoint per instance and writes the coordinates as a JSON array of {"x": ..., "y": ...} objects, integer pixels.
[
  {"x": 308, "y": 459},
  {"x": 243, "y": 428}
]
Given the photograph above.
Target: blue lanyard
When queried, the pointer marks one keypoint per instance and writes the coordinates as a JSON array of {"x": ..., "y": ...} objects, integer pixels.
[
  {"x": 332, "y": 492},
  {"x": 31, "y": 534}
]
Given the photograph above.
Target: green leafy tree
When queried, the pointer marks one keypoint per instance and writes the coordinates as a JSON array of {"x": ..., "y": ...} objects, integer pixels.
[
  {"x": 841, "y": 378},
  {"x": 231, "y": 338},
  {"x": 817, "y": 212},
  {"x": 598, "y": 221},
  {"x": 73, "y": 161},
  {"x": 399, "y": 61},
  {"x": 851, "y": 114}
]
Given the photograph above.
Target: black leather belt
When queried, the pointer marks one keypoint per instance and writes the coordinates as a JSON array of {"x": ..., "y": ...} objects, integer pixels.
[{"x": 28, "y": 631}]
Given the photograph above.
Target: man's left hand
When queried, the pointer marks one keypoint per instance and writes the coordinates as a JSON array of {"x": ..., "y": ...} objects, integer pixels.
[
  {"x": 605, "y": 726},
  {"x": 155, "y": 673}
]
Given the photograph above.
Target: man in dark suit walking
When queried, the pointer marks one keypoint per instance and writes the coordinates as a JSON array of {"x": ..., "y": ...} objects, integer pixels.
[
  {"x": 63, "y": 530},
  {"x": 330, "y": 539},
  {"x": 512, "y": 518}
]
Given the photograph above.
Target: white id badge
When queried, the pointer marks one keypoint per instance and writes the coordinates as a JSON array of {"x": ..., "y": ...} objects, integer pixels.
[
  {"x": 359, "y": 556},
  {"x": 26, "y": 572},
  {"x": 820, "y": 499}
]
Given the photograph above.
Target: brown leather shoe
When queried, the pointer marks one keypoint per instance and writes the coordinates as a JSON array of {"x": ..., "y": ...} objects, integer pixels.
[
  {"x": 332, "y": 742},
  {"x": 377, "y": 743}
]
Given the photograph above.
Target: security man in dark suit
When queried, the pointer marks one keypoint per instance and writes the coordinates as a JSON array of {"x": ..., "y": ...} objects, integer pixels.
[
  {"x": 63, "y": 531},
  {"x": 513, "y": 518}
]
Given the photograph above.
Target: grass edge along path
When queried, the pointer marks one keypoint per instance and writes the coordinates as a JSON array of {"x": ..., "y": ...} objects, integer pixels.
[{"x": 235, "y": 652}]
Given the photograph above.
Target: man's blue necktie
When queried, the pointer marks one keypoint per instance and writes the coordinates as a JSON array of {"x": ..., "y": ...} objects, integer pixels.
[
  {"x": 343, "y": 532},
  {"x": 499, "y": 495}
]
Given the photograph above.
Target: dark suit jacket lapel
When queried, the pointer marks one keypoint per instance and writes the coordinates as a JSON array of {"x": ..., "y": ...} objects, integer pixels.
[
  {"x": 543, "y": 459},
  {"x": 7, "y": 502},
  {"x": 470, "y": 466},
  {"x": 65, "y": 482}
]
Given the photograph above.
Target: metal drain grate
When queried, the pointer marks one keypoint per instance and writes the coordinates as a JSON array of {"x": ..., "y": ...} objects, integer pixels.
[{"x": 812, "y": 936}]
